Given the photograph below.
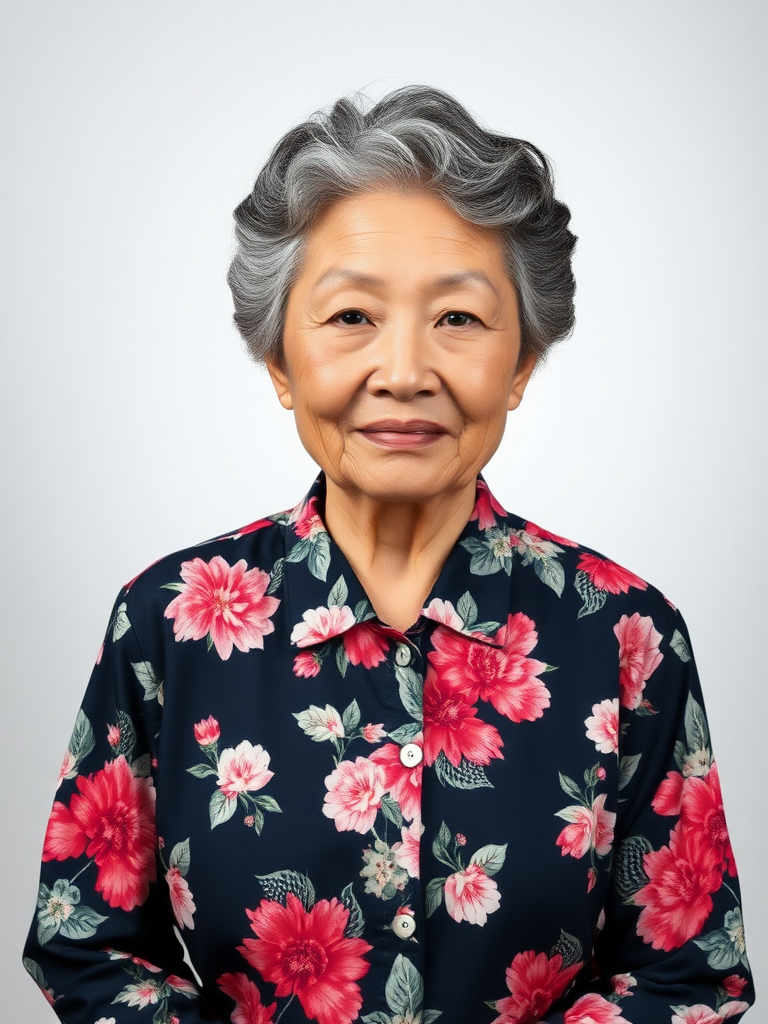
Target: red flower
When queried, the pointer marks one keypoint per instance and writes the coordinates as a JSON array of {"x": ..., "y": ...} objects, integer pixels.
[
  {"x": 207, "y": 731},
  {"x": 594, "y": 1009},
  {"x": 537, "y": 531},
  {"x": 669, "y": 795},
  {"x": 249, "y": 1009},
  {"x": 734, "y": 985},
  {"x": 366, "y": 645},
  {"x": 639, "y": 656},
  {"x": 112, "y": 819},
  {"x": 676, "y": 901},
  {"x": 304, "y": 953},
  {"x": 306, "y": 664},
  {"x": 451, "y": 726},
  {"x": 226, "y": 603},
  {"x": 485, "y": 506},
  {"x": 607, "y": 575},
  {"x": 590, "y": 828},
  {"x": 702, "y": 811},
  {"x": 505, "y": 677},
  {"x": 403, "y": 783},
  {"x": 535, "y": 981}
]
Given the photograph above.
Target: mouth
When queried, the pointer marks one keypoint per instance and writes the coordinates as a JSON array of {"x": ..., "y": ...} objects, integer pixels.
[{"x": 392, "y": 433}]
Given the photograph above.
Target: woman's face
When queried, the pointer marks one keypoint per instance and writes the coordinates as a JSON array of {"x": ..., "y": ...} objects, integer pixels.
[{"x": 401, "y": 345}]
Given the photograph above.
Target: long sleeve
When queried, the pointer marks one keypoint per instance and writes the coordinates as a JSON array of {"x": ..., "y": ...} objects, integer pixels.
[
  {"x": 102, "y": 944},
  {"x": 671, "y": 946}
]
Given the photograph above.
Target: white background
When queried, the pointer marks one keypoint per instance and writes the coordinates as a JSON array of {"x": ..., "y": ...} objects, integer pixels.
[{"x": 133, "y": 424}]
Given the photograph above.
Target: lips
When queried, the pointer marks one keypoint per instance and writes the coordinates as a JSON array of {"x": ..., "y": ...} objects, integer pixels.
[{"x": 393, "y": 433}]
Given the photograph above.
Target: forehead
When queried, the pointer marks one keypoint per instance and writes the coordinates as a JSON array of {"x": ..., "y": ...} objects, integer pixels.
[{"x": 415, "y": 228}]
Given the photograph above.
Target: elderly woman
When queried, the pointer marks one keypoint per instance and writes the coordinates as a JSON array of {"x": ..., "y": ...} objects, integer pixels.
[{"x": 396, "y": 754}]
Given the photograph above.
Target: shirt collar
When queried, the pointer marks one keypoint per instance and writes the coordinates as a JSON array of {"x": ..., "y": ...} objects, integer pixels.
[{"x": 470, "y": 596}]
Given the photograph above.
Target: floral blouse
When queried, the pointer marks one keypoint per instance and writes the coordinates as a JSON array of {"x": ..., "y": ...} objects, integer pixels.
[{"x": 507, "y": 814}]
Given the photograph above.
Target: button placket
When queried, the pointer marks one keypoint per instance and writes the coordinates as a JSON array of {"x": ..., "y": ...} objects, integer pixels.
[
  {"x": 411, "y": 755},
  {"x": 404, "y": 925},
  {"x": 403, "y": 655}
]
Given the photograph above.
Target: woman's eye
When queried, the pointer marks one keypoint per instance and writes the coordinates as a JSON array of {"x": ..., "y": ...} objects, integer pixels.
[
  {"x": 351, "y": 317},
  {"x": 458, "y": 319}
]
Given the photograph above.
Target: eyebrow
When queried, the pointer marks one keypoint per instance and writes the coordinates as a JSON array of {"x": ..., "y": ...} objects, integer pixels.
[{"x": 369, "y": 281}]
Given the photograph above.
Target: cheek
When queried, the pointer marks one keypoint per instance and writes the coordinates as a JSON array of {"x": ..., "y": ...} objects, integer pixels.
[{"x": 482, "y": 391}]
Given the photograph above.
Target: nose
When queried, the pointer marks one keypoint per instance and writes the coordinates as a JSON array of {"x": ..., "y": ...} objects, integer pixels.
[{"x": 403, "y": 363}]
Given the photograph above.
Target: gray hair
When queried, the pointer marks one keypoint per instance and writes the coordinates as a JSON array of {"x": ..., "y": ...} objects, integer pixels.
[{"x": 414, "y": 137}]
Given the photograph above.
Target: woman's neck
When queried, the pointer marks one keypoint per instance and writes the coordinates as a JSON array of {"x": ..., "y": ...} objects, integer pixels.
[{"x": 397, "y": 549}]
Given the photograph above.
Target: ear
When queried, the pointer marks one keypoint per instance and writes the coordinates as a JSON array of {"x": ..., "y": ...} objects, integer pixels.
[
  {"x": 525, "y": 367},
  {"x": 280, "y": 381}
]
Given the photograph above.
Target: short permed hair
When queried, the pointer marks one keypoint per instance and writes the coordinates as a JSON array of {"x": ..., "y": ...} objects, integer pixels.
[{"x": 414, "y": 137}]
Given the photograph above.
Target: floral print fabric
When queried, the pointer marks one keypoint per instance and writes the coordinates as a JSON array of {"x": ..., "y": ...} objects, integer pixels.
[{"x": 508, "y": 814}]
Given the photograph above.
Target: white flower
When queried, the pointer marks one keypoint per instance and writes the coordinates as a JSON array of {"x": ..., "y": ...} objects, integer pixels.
[{"x": 321, "y": 724}]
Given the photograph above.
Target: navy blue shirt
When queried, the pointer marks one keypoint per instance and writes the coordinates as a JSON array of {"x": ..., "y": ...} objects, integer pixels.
[{"x": 509, "y": 813}]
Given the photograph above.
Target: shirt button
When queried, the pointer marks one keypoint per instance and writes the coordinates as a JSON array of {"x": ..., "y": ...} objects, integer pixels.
[
  {"x": 404, "y": 925},
  {"x": 403, "y": 655},
  {"x": 411, "y": 755}
]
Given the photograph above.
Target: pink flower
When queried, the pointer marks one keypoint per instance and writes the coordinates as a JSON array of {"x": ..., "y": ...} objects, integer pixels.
[
  {"x": 734, "y": 985},
  {"x": 594, "y": 1009},
  {"x": 470, "y": 895},
  {"x": 622, "y": 984},
  {"x": 537, "y": 531},
  {"x": 639, "y": 656},
  {"x": 100, "y": 654},
  {"x": 601, "y": 773},
  {"x": 111, "y": 819},
  {"x": 589, "y": 828},
  {"x": 307, "y": 664},
  {"x": 701, "y": 810},
  {"x": 244, "y": 768},
  {"x": 113, "y": 736},
  {"x": 506, "y": 677},
  {"x": 603, "y": 726},
  {"x": 373, "y": 733},
  {"x": 535, "y": 981},
  {"x": 226, "y": 603},
  {"x": 182, "y": 903},
  {"x": 451, "y": 725},
  {"x": 249, "y": 1008},
  {"x": 608, "y": 576},
  {"x": 444, "y": 612},
  {"x": 701, "y": 1014},
  {"x": 669, "y": 795},
  {"x": 676, "y": 900},
  {"x": 485, "y": 506},
  {"x": 407, "y": 852},
  {"x": 591, "y": 879},
  {"x": 404, "y": 784},
  {"x": 366, "y": 645},
  {"x": 461, "y": 839},
  {"x": 207, "y": 731},
  {"x": 321, "y": 624},
  {"x": 354, "y": 795},
  {"x": 305, "y": 953},
  {"x": 67, "y": 769},
  {"x": 306, "y": 520}
]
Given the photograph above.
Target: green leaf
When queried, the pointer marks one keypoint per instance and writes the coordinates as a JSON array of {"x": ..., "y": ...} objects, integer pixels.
[
  {"x": 405, "y": 733},
  {"x": 81, "y": 923},
  {"x": 121, "y": 623},
  {"x": 680, "y": 754},
  {"x": 490, "y": 858},
  {"x": 276, "y": 576},
  {"x": 363, "y": 611},
  {"x": 351, "y": 718},
  {"x": 696, "y": 730},
  {"x": 627, "y": 768},
  {"x": 377, "y": 1017},
  {"x": 127, "y": 736},
  {"x": 339, "y": 593},
  {"x": 392, "y": 811},
  {"x": 299, "y": 551},
  {"x": 723, "y": 954},
  {"x": 258, "y": 819},
  {"x": 484, "y": 562},
  {"x": 342, "y": 659},
  {"x": 434, "y": 894},
  {"x": 411, "y": 688},
  {"x": 180, "y": 857},
  {"x": 487, "y": 628},
  {"x": 148, "y": 678},
  {"x": 440, "y": 845},
  {"x": 629, "y": 871},
  {"x": 430, "y": 1016},
  {"x": 593, "y": 598},
  {"x": 404, "y": 990},
  {"x": 278, "y": 884},
  {"x": 467, "y": 609},
  {"x": 179, "y": 588},
  {"x": 220, "y": 808},
  {"x": 35, "y": 971},
  {"x": 141, "y": 768},
  {"x": 202, "y": 771},
  {"x": 466, "y": 776},
  {"x": 356, "y": 922},
  {"x": 319, "y": 558},
  {"x": 268, "y": 803},
  {"x": 81, "y": 742},
  {"x": 569, "y": 948},
  {"x": 47, "y": 927},
  {"x": 679, "y": 646},
  {"x": 552, "y": 573},
  {"x": 570, "y": 787}
]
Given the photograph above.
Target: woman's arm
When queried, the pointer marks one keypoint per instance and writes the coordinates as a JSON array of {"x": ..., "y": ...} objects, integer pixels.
[{"x": 102, "y": 944}]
